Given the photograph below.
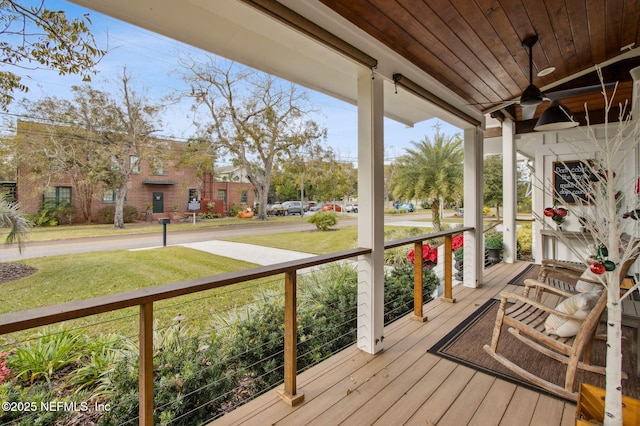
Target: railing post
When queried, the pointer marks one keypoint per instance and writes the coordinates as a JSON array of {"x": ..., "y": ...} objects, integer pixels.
[
  {"x": 290, "y": 394},
  {"x": 448, "y": 270},
  {"x": 146, "y": 365},
  {"x": 417, "y": 282}
]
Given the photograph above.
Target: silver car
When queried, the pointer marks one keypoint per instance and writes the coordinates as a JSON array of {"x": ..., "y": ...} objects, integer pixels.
[{"x": 292, "y": 207}]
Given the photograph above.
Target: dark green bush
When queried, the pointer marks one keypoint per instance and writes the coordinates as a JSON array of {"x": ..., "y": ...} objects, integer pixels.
[
  {"x": 493, "y": 240},
  {"x": 191, "y": 382},
  {"x": 46, "y": 215},
  {"x": 106, "y": 214},
  {"x": 328, "y": 321},
  {"x": 66, "y": 213}
]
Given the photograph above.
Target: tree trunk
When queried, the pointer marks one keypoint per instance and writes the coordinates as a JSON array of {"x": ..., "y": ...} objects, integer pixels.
[
  {"x": 435, "y": 213},
  {"x": 263, "y": 195},
  {"x": 613, "y": 396},
  {"x": 118, "y": 216}
]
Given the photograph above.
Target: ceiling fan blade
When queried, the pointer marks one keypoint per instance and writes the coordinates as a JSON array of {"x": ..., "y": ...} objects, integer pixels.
[
  {"x": 576, "y": 91},
  {"x": 528, "y": 111}
]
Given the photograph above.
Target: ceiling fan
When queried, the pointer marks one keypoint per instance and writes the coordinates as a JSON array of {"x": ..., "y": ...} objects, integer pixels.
[{"x": 556, "y": 116}]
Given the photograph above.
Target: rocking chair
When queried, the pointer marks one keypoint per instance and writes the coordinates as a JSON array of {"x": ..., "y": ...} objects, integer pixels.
[
  {"x": 576, "y": 274},
  {"x": 526, "y": 321}
]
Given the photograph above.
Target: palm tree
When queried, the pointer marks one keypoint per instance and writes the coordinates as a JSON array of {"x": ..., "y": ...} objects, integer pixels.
[
  {"x": 10, "y": 217},
  {"x": 432, "y": 171}
]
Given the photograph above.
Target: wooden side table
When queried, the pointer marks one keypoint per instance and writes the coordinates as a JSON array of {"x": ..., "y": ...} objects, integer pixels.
[
  {"x": 590, "y": 407},
  {"x": 547, "y": 234}
]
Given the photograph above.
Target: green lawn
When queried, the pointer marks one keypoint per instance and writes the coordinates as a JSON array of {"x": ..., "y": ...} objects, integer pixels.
[
  {"x": 65, "y": 278},
  {"x": 314, "y": 242}
]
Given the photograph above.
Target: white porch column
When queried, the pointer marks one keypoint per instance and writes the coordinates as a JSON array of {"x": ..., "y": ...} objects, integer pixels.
[
  {"x": 509, "y": 194},
  {"x": 371, "y": 216},
  {"x": 473, "y": 201}
]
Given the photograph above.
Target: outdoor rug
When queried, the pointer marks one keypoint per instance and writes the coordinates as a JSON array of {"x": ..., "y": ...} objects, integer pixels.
[
  {"x": 531, "y": 271},
  {"x": 464, "y": 346}
]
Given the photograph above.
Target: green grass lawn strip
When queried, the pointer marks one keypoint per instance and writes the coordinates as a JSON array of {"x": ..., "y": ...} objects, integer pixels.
[{"x": 62, "y": 279}]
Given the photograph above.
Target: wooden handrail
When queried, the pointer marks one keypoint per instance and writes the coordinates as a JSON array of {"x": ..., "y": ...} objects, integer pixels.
[{"x": 411, "y": 240}]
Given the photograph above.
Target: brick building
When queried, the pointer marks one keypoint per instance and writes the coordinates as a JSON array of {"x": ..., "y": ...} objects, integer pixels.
[{"x": 158, "y": 186}]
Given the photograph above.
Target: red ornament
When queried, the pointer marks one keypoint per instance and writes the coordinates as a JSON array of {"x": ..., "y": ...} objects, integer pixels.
[
  {"x": 549, "y": 211},
  {"x": 562, "y": 212},
  {"x": 597, "y": 268}
]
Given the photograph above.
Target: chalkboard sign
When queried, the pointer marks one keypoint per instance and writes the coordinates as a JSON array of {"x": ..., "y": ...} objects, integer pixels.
[{"x": 570, "y": 180}]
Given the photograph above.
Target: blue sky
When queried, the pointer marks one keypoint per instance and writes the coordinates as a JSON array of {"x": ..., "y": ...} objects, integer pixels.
[{"x": 150, "y": 59}]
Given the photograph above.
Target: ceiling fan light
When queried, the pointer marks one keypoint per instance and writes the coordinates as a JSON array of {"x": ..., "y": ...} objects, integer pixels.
[
  {"x": 531, "y": 96},
  {"x": 556, "y": 117}
]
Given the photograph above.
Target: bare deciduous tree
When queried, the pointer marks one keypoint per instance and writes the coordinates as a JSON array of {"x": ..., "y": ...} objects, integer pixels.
[{"x": 255, "y": 118}]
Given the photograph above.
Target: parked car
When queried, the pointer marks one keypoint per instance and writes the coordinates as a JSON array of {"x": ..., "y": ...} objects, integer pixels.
[
  {"x": 308, "y": 206},
  {"x": 275, "y": 210},
  {"x": 408, "y": 207},
  {"x": 332, "y": 207},
  {"x": 351, "y": 208},
  {"x": 316, "y": 207},
  {"x": 292, "y": 207}
]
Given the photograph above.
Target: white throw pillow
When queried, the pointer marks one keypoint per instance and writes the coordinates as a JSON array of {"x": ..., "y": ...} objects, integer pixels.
[
  {"x": 585, "y": 286},
  {"x": 579, "y": 305}
]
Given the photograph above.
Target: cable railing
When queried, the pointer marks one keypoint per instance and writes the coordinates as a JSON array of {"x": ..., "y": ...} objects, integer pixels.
[{"x": 287, "y": 355}]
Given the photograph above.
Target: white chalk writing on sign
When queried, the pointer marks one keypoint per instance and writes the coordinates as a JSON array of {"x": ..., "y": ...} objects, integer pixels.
[{"x": 571, "y": 181}]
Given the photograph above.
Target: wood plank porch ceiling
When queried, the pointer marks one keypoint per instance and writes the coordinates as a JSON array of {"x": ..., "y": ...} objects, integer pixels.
[{"x": 475, "y": 47}]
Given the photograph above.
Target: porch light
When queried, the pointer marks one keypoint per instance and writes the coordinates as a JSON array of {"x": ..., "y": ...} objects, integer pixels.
[{"x": 556, "y": 117}]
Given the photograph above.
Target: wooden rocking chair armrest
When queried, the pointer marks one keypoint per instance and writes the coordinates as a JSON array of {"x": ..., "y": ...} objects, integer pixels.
[
  {"x": 506, "y": 296},
  {"x": 531, "y": 283}
]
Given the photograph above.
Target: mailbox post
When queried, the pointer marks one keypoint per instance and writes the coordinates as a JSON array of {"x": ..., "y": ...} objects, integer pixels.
[{"x": 164, "y": 221}]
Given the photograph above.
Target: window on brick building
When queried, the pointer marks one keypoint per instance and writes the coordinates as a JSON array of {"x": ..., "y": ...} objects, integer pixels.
[
  {"x": 243, "y": 197},
  {"x": 222, "y": 194},
  {"x": 109, "y": 196},
  {"x": 158, "y": 167},
  {"x": 134, "y": 164},
  {"x": 58, "y": 194}
]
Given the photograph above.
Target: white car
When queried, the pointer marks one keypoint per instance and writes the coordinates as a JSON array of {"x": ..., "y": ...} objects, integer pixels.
[{"x": 351, "y": 208}]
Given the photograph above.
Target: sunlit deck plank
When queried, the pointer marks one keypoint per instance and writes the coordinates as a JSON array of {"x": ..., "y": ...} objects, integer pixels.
[
  {"x": 547, "y": 408},
  {"x": 440, "y": 401},
  {"x": 521, "y": 408},
  {"x": 405, "y": 385},
  {"x": 494, "y": 404}
]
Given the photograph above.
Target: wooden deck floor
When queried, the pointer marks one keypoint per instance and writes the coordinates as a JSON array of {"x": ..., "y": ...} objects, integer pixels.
[{"x": 405, "y": 385}]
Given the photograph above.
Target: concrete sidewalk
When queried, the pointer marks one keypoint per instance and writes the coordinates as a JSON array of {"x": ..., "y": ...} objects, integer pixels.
[{"x": 247, "y": 252}]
